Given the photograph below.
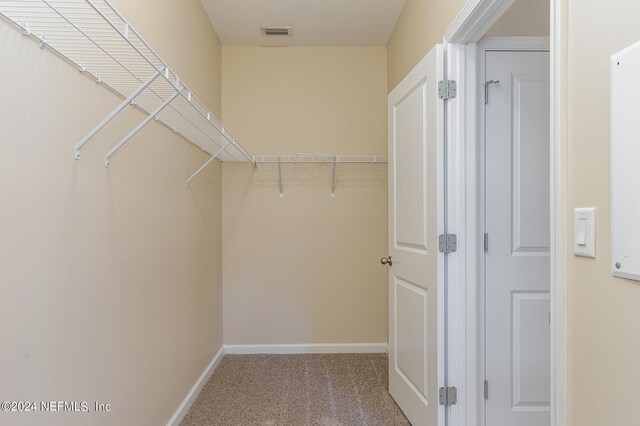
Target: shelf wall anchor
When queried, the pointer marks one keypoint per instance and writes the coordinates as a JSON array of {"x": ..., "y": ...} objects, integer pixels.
[
  {"x": 207, "y": 163},
  {"x": 333, "y": 179},
  {"x": 280, "y": 177},
  {"x": 116, "y": 111},
  {"x": 138, "y": 128}
]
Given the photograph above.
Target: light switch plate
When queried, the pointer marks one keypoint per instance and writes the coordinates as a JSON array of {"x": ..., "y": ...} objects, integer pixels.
[{"x": 584, "y": 232}]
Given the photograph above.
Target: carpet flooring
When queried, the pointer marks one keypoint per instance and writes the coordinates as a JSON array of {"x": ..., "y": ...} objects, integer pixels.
[{"x": 310, "y": 389}]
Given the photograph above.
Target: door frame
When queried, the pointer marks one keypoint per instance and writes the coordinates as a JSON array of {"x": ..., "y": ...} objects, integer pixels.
[{"x": 464, "y": 214}]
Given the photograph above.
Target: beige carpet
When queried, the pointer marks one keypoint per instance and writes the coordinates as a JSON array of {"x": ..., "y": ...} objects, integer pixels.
[{"x": 328, "y": 390}]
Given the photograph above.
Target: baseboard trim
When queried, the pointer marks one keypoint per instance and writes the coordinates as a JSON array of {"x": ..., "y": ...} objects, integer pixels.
[
  {"x": 332, "y": 348},
  {"x": 188, "y": 401}
]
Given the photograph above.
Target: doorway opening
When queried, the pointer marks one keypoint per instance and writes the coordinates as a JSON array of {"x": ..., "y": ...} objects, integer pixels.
[{"x": 506, "y": 311}]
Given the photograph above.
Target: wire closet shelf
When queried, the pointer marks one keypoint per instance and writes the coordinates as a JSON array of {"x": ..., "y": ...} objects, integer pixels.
[
  {"x": 99, "y": 41},
  {"x": 334, "y": 160},
  {"x": 319, "y": 158}
]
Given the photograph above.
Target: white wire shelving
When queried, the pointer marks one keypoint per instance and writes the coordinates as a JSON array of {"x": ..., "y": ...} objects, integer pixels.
[
  {"x": 94, "y": 37},
  {"x": 99, "y": 41},
  {"x": 334, "y": 160},
  {"x": 319, "y": 158}
]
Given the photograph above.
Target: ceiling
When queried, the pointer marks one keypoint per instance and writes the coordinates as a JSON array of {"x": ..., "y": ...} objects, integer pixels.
[{"x": 314, "y": 22}]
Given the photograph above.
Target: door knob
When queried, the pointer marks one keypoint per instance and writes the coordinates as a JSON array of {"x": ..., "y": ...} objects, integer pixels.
[{"x": 386, "y": 261}]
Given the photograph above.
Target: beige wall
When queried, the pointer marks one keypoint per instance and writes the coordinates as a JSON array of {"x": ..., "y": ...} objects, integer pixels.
[
  {"x": 420, "y": 26},
  {"x": 604, "y": 312},
  {"x": 181, "y": 33},
  {"x": 305, "y": 268},
  {"x": 523, "y": 18},
  {"x": 110, "y": 279}
]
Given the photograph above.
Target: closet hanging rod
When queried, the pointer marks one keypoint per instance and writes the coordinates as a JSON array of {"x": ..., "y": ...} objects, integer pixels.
[{"x": 100, "y": 42}]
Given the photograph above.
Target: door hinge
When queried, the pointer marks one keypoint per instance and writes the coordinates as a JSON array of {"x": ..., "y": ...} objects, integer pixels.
[
  {"x": 486, "y": 389},
  {"x": 486, "y": 242},
  {"x": 448, "y": 243},
  {"x": 448, "y": 396},
  {"x": 447, "y": 89}
]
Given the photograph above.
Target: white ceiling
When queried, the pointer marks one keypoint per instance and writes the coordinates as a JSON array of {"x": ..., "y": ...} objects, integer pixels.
[{"x": 314, "y": 22}]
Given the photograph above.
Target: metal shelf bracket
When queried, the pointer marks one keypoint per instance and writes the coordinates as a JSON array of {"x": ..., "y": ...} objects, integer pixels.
[
  {"x": 213, "y": 157},
  {"x": 116, "y": 111},
  {"x": 333, "y": 179},
  {"x": 280, "y": 177},
  {"x": 138, "y": 128}
]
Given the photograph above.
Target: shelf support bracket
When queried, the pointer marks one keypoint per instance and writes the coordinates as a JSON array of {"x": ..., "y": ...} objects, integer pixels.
[
  {"x": 333, "y": 180},
  {"x": 138, "y": 128},
  {"x": 207, "y": 163},
  {"x": 280, "y": 177},
  {"x": 113, "y": 113}
]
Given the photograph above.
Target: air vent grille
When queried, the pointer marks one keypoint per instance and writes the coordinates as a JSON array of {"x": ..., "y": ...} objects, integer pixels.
[{"x": 276, "y": 31}]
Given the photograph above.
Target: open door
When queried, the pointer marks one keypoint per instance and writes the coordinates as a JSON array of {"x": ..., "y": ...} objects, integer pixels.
[{"x": 416, "y": 213}]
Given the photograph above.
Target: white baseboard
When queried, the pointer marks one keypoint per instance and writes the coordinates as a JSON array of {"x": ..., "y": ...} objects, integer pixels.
[
  {"x": 334, "y": 348},
  {"x": 184, "y": 407}
]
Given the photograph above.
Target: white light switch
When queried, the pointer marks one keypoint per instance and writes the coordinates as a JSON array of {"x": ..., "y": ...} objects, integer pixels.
[{"x": 584, "y": 232}]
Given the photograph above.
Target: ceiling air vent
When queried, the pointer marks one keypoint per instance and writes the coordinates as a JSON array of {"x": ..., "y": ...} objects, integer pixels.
[{"x": 276, "y": 31}]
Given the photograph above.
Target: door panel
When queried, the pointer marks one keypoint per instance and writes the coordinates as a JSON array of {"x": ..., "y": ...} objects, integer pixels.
[
  {"x": 411, "y": 335},
  {"x": 415, "y": 158},
  {"x": 530, "y": 162},
  {"x": 517, "y": 329},
  {"x": 530, "y": 349},
  {"x": 410, "y": 182}
]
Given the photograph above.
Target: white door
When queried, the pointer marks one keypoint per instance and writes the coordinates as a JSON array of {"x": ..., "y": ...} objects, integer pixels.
[
  {"x": 517, "y": 311},
  {"x": 415, "y": 203}
]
